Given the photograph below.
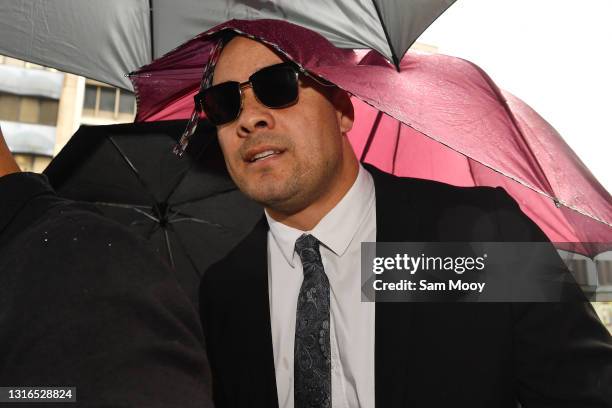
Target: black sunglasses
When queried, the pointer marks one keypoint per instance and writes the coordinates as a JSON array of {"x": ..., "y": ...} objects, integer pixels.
[{"x": 275, "y": 87}]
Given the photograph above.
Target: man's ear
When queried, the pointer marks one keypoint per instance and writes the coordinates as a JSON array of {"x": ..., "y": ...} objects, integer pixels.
[{"x": 344, "y": 110}]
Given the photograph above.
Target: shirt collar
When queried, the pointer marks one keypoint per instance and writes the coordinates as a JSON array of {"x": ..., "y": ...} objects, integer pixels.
[{"x": 338, "y": 227}]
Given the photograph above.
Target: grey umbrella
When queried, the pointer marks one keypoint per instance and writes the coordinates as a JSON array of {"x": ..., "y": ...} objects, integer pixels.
[{"x": 104, "y": 40}]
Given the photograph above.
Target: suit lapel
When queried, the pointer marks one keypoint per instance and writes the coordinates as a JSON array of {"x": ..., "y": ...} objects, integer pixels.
[
  {"x": 251, "y": 261},
  {"x": 396, "y": 217},
  {"x": 396, "y": 221}
]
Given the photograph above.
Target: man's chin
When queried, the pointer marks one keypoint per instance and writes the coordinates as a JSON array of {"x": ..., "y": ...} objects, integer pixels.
[
  {"x": 268, "y": 199},
  {"x": 264, "y": 189},
  {"x": 277, "y": 199},
  {"x": 270, "y": 188}
]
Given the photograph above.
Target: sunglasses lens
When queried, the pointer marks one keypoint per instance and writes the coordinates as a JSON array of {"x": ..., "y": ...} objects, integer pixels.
[
  {"x": 276, "y": 86},
  {"x": 221, "y": 103}
]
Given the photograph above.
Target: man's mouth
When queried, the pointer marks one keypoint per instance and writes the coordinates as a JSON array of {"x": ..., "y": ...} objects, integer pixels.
[
  {"x": 261, "y": 154},
  {"x": 265, "y": 155}
]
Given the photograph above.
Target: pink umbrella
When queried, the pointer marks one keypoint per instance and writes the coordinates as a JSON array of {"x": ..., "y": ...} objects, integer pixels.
[{"x": 439, "y": 118}]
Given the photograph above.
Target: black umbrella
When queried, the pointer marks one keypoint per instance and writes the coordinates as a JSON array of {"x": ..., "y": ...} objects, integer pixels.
[{"x": 188, "y": 209}]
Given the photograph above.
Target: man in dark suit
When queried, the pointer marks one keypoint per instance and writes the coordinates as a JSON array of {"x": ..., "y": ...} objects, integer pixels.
[{"x": 282, "y": 314}]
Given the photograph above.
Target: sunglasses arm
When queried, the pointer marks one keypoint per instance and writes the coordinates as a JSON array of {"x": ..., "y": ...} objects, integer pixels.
[{"x": 318, "y": 80}]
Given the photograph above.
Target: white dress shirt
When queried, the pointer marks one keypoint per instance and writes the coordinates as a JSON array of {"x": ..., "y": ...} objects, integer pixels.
[{"x": 341, "y": 231}]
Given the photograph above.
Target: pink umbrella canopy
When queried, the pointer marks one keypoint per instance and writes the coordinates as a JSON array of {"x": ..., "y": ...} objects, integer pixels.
[{"x": 439, "y": 118}]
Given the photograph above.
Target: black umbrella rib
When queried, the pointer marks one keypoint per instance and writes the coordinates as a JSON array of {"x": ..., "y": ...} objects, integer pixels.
[
  {"x": 139, "y": 222},
  {"x": 138, "y": 210},
  {"x": 152, "y": 35},
  {"x": 167, "y": 240},
  {"x": 154, "y": 227},
  {"x": 197, "y": 157},
  {"x": 397, "y": 138},
  {"x": 396, "y": 60},
  {"x": 366, "y": 149},
  {"x": 136, "y": 172},
  {"x": 198, "y": 220},
  {"x": 187, "y": 217},
  {"x": 179, "y": 241},
  {"x": 118, "y": 205}
]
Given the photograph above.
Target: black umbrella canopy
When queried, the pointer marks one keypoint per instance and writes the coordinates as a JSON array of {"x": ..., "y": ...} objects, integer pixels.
[
  {"x": 104, "y": 40},
  {"x": 188, "y": 208}
]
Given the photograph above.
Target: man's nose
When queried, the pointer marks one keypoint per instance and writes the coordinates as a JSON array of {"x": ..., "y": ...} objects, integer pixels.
[{"x": 254, "y": 116}]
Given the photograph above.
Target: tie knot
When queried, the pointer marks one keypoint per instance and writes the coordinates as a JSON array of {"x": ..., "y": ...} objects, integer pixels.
[{"x": 307, "y": 248}]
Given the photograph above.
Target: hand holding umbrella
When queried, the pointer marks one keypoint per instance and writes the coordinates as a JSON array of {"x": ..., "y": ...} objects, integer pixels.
[{"x": 8, "y": 164}]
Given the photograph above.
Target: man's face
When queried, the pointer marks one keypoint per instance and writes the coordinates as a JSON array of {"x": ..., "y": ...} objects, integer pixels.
[{"x": 306, "y": 138}]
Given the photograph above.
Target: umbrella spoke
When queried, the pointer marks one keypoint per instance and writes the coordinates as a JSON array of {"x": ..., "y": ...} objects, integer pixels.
[
  {"x": 180, "y": 243},
  {"x": 119, "y": 205},
  {"x": 396, "y": 60},
  {"x": 174, "y": 214},
  {"x": 154, "y": 228},
  {"x": 138, "y": 222},
  {"x": 133, "y": 168},
  {"x": 366, "y": 149},
  {"x": 169, "y": 249},
  {"x": 146, "y": 214},
  {"x": 198, "y": 220},
  {"x": 187, "y": 217},
  {"x": 182, "y": 177},
  {"x": 397, "y": 137}
]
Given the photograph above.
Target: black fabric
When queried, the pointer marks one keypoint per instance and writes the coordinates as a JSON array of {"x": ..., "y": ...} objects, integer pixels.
[
  {"x": 188, "y": 210},
  {"x": 475, "y": 355},
  {"x": 84, "y": 303}
]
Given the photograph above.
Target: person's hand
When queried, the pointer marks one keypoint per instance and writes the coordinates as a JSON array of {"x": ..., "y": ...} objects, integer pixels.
[{"x": 8, "y": 164}]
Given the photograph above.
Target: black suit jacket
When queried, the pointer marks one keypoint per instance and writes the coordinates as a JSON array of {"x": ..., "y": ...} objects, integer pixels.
[{"x": 426, "y": 354}]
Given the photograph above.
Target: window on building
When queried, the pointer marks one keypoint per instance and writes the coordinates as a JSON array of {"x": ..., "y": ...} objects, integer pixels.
[
  {"x": 107, "y": 99},
  {"x": 90, "y": 97},
  {"x": 580, "y": 271},
  {"x": 28, "y": 109},
  {"x": 103, "y": 101},
  {"x": 127, "y": 103},
  {"x": 604, "y": 271}
]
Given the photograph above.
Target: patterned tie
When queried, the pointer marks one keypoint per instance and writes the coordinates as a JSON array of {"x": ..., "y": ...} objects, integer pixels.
[{"x": 312, "y": 360}]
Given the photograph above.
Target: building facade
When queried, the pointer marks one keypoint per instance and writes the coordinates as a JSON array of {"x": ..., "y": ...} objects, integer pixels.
[{"x": 41, "y": 108}]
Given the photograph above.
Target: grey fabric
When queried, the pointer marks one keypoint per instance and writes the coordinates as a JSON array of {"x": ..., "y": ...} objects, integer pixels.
[
  {"x": 312, "y": 359},
  {"x": 105, "y": 40},
  {"x": 404, "y": 28},
  {"x": 101, "y": 40},
  {"x": 346, "y": 23}
]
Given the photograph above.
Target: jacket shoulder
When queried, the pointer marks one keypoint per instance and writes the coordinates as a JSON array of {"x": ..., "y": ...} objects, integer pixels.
[{"x": 448, "y": 212}]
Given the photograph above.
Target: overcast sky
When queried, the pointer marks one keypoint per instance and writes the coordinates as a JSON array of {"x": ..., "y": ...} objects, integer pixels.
[{"x": 556, "y": 55}]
